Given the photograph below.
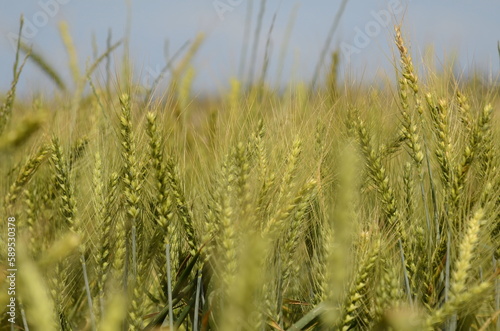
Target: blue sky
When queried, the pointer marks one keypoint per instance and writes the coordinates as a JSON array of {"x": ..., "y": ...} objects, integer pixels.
[{"x": 467, "y": 31}]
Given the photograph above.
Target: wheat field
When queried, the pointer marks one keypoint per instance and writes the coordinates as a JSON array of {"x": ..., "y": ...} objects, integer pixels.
[{"x": 333, "y": 208}]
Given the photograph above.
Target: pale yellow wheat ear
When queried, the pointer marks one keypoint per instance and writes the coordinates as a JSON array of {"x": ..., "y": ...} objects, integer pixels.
[
  {"x": 242, "y": 299},
  {"x": 185, "y": 86},
  {"x": 21, "y": 134},
  {"x": 339, "y": 233},
  {"x": 185, "y": 62},
  {"x": 63, "y": 247},
  {"x": 115, "y": 312},
  {"x": 36, "y": 300},
  {"x": 234, "y": 95},
  {"x": 71, "y": 50},
  {"x": 75, "y": 72},
  {"x": 407, "y": 68},
  {"x": 79, "y": 79}
]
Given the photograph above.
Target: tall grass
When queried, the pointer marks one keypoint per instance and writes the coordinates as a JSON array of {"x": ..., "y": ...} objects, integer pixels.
[{"x": 306, "y": 210}]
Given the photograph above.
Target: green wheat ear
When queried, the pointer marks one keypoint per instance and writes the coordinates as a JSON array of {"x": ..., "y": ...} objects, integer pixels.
[
  {"x": 64, "y": 185},
  {"x": 25, "y": 174},
  {"x": 182, "y": 209},
  {"x": 460, "y": 294},
  {"x": 352, "y": 310}
]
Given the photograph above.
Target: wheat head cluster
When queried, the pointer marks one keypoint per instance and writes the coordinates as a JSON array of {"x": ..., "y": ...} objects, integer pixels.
[{"x": 338, "y": 208}]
